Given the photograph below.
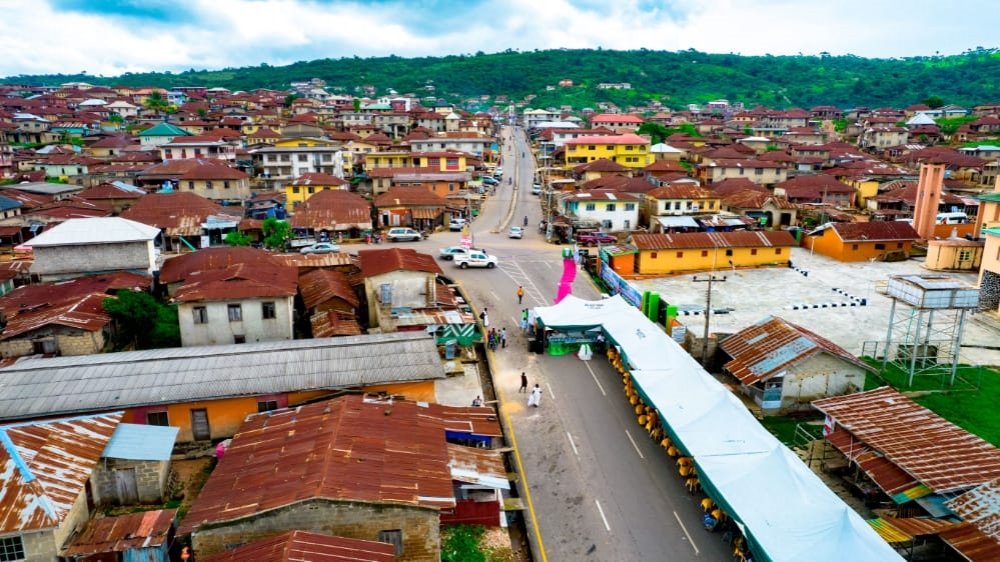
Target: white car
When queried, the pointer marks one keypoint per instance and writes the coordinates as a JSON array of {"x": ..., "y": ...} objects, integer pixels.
[
  {"x": 320, "y": 248},
  {"x": 403, "y": 233},
  {"x": 450, "y": 252},
  {"x": 475, "y": 258},
  {"x": 456, "y": 224},
  {"x": 516, "y": 232}
]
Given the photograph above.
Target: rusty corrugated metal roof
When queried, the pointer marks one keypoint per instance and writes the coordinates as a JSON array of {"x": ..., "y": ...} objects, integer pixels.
[
  {"x": 933, "y": 450},
  {"x": 44, "y": 467},
  {"x": 241, "y": 281},
  {"x": 377, "y": 262},
  {"x": 919, "y": 526},
  {"x": 308, "y": 261},
  {"x": 321, "y": 285},
  {"x": 417, "y": 196},
  {"x": 85, "y": 314},
  {"x": 713, "y": 240},
  {"x": 482, "y": 467},
  {"x": 333, "y": 209},
  {"x": 48, "y": 295},
  {"x": 178, "y": 213},
  {"x": 971, "y": 543},
  {"x": 334, "y": 323},
  {"x": 772, "y": 344},
  {"x": 302, "y": 546},
  {"x": 118, "y": 534},
  {"x": 981, "y": 507},
  {"x": 179, "y": 267},
  {"x": 349, "y": 448},
  {"x": 468, "y": 419}
]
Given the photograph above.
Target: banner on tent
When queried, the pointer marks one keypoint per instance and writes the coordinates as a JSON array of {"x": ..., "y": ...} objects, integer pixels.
[{"x": 621, "y": 287}]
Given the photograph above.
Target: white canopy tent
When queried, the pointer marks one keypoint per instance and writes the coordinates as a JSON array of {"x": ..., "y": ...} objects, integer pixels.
[{"x": 788, "y": 513}]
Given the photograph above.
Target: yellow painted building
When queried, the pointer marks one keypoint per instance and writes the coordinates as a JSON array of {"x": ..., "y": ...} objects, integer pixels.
[
  {"x": 862, "y": 241},
  {"x": 395, "y": 159},
  {"x": 443, "y": 161},
  {"x": 668, "y": 254},
  {"x": 866, "y": 187},
  {"x": 305, "y": 186},
  {"x": 306, "y": 142},
  {"x": 629, "y": 150}
]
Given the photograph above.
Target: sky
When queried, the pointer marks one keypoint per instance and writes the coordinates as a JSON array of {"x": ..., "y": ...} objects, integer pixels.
[{"x": 112, "y": 37}]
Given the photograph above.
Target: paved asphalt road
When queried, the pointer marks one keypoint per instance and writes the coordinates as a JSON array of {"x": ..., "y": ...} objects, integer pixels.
[{"x": 598, "y": 486}]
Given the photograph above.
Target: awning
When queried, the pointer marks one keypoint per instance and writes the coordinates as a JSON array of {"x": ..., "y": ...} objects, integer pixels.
[
  {"x": 427, "y": 213},
  {"x": 683, "y": 221}
]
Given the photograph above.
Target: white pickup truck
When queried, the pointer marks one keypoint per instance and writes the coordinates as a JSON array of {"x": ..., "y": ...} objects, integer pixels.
[{"x": 475, "y": 258}]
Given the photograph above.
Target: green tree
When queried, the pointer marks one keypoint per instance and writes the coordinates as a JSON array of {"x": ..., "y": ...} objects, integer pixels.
[
  {"x": 237, "y": 238},
  {"x": 934, "y": 102},
  {"x": 656, "y": 131},
  {"x": 276, "y": 233},
  {"x": 289, "y": 99},
  {"x": 141, "y": 321},
  {"x": 156, "y": 102},
  {"x": 357, "y": 104}
]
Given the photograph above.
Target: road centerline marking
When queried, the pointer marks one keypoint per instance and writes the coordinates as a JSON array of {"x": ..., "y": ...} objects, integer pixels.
[
  {"x": 595, "y": 378},
  {"x": 572, "y": 444},
  {"x": 687, "y": 534},
  {"x": 636, "y": 447},
  {"x": 603, "y": 518}
]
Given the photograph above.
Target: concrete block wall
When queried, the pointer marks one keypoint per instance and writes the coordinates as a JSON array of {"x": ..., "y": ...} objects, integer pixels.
[
  {"x": 989, "y": 291},
  {"x": 38, "y": 547},
  {"x": 69, "y": 341},
  {"x": 57, "y": 260},
  {"x": 420, "y": 526},
  {"x": 150, "y": 478}
]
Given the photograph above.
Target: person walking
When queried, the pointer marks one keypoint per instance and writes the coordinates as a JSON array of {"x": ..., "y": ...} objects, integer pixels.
[
  {"x": 536, "y": 396},
  {"x": 503, "y": 338},
  {"x": 520, "y": 294},
  {"x": 485, "y": 317},
  {"x": 524, "y": 383}
]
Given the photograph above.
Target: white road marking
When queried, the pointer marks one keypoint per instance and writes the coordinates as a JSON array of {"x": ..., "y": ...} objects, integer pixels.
[
  {"x": 595, "y": 378},
  {"x": 629, "y": 435},
  {"x": 572, "y": 444},
  {"x": 495, "y": 295},
  {"x": 550, "y": 391},
  {"x": 687, "y": 534},
  {"x": 605, "y": 519},
  {"x": 515, "y": 321}
]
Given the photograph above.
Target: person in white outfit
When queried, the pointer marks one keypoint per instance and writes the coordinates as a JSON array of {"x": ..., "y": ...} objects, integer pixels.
[{"x": 536, "y": 396}]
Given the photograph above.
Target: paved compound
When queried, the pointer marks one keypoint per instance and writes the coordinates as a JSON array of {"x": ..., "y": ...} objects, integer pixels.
[{"x": 817, "y": 294}]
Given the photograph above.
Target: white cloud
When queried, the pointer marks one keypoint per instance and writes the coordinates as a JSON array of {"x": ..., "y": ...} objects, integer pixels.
[{"x": 231, "y": 33}]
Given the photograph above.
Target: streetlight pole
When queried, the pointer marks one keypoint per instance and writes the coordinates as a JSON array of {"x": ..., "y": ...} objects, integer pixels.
[{"x": 708, "y": 305}]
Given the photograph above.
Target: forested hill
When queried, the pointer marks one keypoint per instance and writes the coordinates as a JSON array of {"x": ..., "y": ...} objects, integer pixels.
[{"x": 675, "y": 78}]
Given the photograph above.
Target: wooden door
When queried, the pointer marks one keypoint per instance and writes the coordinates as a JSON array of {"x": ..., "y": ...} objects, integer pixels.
[
  {"x": 199, "y": 425},
  {"x": 125, "y": 484}
]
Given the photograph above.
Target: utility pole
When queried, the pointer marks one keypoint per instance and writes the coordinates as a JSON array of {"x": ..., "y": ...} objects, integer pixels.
[{"x": 708, "y": 305}]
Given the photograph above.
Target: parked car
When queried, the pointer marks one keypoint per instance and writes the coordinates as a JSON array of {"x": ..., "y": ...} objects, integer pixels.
[
  {"x": 450, "y": 252},
  {"x": 595, "y": 238},
  {"x": 516, "y": 232},
  {"x": 490, "y": 181},
  {"x": 498, "y": 173},
  {"x": 475, "y": 258},
  {"x": 402, "y": 233},
  {"x": 536, "y": 189},
  {"x": 456, "y": 224},
  {"x": 321, "y": 248}
]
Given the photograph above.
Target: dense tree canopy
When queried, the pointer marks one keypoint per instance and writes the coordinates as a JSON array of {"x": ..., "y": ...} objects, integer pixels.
[{"x": 674, "y": 78}]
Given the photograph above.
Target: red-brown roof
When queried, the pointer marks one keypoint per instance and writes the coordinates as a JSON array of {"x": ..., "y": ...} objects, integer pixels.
[
  {"x": 600, "y": 165},
  {"x": 302, "y": 546},
  {"x": 180, "y": 267},
  {"x": 349, "y": 448},
  {"x": 732, "y": 185},
  {"x": 333, "y": 323},
  {"x": 240, "y": 281},
  {"x": 377, "y": 262},
  {"x": 333, "y": 209},
  {"x": 192, "y": 169},
  {"x": 321, "y": 285},
  {"x": 46, "y": 469},
  {"x": 681, "y": 190},
  {"x": 148, "y": 529},
  {"x": 317, "y": 178},
  {"x": 771, "y": 345},
  {"x": 878, "y": 231},
  {"x": 753, "y": 199},
  {"x": 46, "y": 295},
  {"x": 177, "y": 213},
  {"x": 709, "y": 240},
  {"x": 936, "y": 452},
  {"x": 86, "y": 313},
  {"x": 400, "y": 196},
  {"x": 108, "y": 191}
]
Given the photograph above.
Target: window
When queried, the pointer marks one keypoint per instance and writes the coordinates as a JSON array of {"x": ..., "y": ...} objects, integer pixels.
[
  {"x": 239, "y": 338},
  {"x": 393, "y": 537},
  {"x": 680, "y": 255},
  {"x": 879, "y": 246},
  {"x": 777, "y": 251},
  {"x": 157, "y": 418},
  {"x": 451, "y": 187},
  {"x": 652, "y": 255},
  {"x": 758, "y": 171},
  {"x": 591, "y": 206},
  {"x": 208, "y": 185},
  {"x": 753, "y": 251},
  {"x": 629, "y": 206},
  {"x": 267, "y": 405},
  {"x": 225, "y": 184},
  {"x": 190, "y": 185},
  {"x": 704, "y": 253},
  {"x": 268, "y": 311},
  {"x": 295, "y": 189},
  {"x": 200, "y": 314},
  {"x": 11, "y": 548},
  {"x": 235, "y": 312},
  {"x": 311, "y": 189},
  {"x": 711, "y": 204},
  {"x": 610, "y": 208},
  {"x": 854, "y": 247},
  {"x": 729, "y": 252},
  {"x": 302, "y": 157},
  {"x": 965, "y": 255},
  {"x": 899, "y": 245}
]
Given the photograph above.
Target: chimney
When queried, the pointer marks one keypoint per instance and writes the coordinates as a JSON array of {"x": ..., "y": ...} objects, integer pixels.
[{"x": 929, "y": 189}]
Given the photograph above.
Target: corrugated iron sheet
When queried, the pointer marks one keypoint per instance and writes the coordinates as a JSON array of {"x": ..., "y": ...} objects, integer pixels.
[
  {"x": 349, "y": 448},
  {"x": 400, "y": 196},
  {"x": 933, "y": 450},
  {"x": 919, "y": 526},
  {"x": 713, "y": 240},
  {"x": 308, "y": 261},
  {"x": 87, "y": 383},
  {"x": 302, "y": 546},
  {"x": 86, "y": 314},
  {"x": 148, "y": 529},
  {"x": 971, "y": 543},
  {"x": 179, "y": 267},
  {"x": 377, "y": 262},
  {"x": 481, "y": 467},
  {"x": 49, "y": 295},
  {"x": 44, "y": 467},
  {"x": 333, "y": 210},
  {"x": 321, "y": 285},
  {"x": 177, "y": 213},
  {"x": 240, "y": 281},
  {"x": 769, "y": 346},
  {"x": 981, "y": 507},
  {"x": 889, "y": 533},
  {"x": 334, "y": 323}
]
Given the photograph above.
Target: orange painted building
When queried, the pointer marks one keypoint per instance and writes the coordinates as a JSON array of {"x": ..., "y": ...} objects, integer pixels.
[{"x": 861, "y": 241}]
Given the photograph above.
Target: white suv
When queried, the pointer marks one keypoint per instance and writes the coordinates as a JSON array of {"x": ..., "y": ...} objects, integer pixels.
[
  {"x": 400, "y": 233},
  {"x": 475, "y": 258}
]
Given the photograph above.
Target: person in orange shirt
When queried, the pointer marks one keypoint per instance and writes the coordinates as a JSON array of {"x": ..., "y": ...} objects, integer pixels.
[{"x": 520, "y": 294}]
